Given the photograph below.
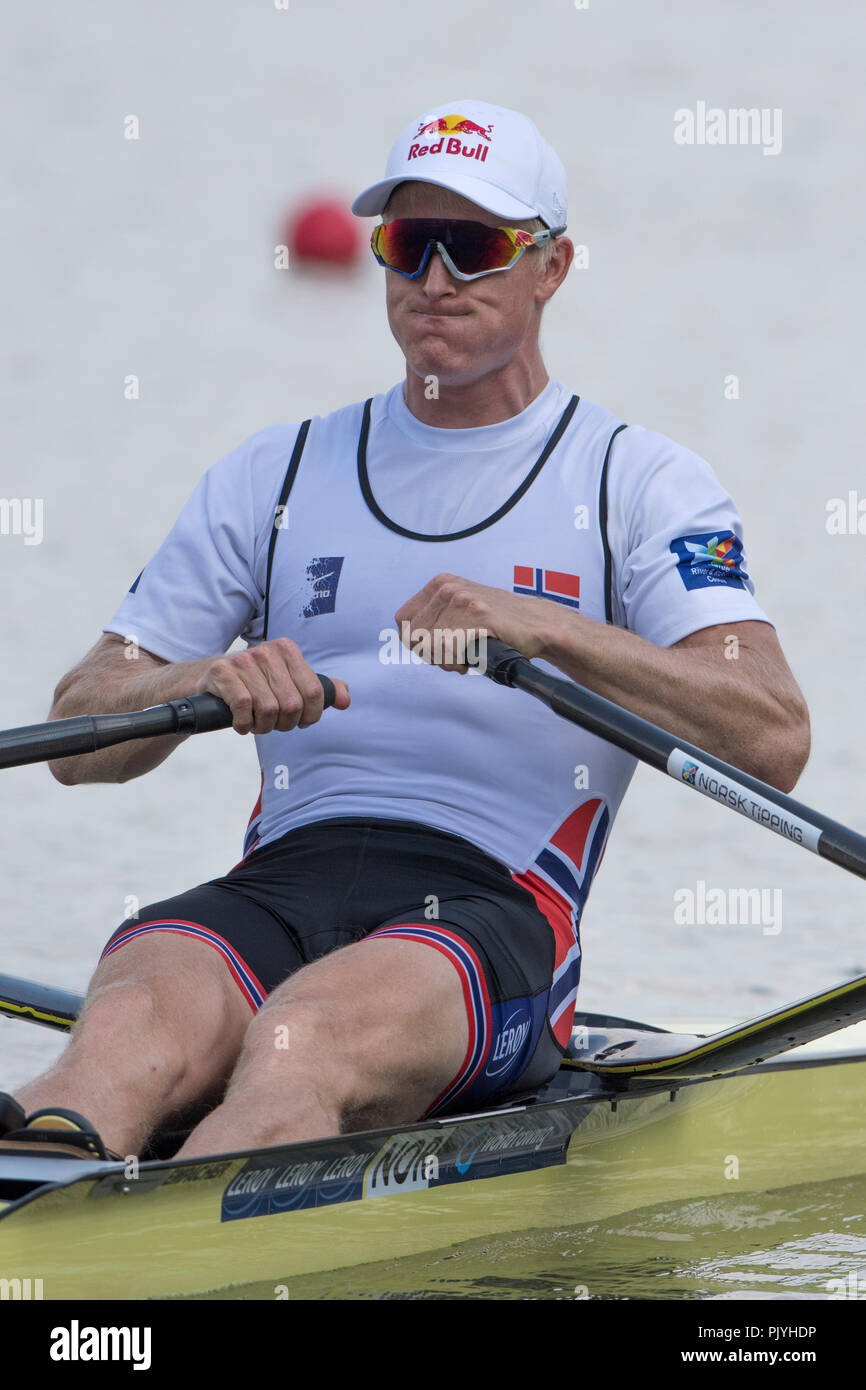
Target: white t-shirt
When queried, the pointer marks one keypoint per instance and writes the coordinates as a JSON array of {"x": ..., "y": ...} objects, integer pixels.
[{"x": 460, "y": 754}]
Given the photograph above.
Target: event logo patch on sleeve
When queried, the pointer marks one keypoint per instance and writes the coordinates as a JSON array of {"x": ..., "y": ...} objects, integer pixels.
[{"x": 713, "y": 557}]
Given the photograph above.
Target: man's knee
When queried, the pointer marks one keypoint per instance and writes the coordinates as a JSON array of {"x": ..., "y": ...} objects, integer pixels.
[
  {"x": 167, "y": 968},
  {"x": 165, "y": 994},
  {"x": 308, "y": 1043},
  {"x": 291, "y": 1035}
]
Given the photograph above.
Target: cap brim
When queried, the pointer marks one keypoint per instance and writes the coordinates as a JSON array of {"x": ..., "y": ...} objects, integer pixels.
[{"x": 372, "y": 201}]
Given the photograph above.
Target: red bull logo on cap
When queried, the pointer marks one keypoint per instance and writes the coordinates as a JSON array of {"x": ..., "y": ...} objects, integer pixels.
[{"x": 452, "y": 127}]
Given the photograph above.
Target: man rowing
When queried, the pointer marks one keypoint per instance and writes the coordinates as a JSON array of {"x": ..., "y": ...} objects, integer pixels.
[{"x": 400, "y": 939}]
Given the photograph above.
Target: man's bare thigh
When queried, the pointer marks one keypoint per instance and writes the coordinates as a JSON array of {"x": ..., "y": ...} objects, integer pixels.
[{"x": 379, "y": 1027}]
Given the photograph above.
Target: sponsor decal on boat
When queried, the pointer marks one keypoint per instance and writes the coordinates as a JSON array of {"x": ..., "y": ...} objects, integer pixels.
[
  {"x": 495, "y": 1146},
  {"x": 406, "y": 1163},
  {"x": 513, "y": 1144},
  {"x": 323, "y": 1176},
  {"x": 138, "y": 1181},
  {"x": 341, "y": 1171},
  {"x": 198, "y": 1172}
]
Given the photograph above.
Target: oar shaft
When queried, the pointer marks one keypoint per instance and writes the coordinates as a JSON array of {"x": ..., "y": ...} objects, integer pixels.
[{"x": 683, "y": 761}]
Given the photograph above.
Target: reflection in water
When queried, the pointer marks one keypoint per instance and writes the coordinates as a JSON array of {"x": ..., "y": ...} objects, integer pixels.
[{"x": 810, "y": 1246}]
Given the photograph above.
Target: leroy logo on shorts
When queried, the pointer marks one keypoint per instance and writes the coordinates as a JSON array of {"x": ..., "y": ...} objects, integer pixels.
[
  {"x": 510, "y": 1042},
  {"x": 712, "y": 557},
  {"x": 322, "y": 578}
]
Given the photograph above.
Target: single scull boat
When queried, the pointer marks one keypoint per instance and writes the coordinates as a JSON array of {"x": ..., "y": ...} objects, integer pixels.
[{"x": 636, "y": 1115}]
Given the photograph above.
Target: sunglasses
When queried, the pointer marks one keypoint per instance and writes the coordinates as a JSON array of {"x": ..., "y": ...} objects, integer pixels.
[{"x": 469, "y": 249}]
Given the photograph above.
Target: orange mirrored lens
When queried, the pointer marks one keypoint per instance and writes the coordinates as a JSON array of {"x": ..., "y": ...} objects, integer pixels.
[{"x": 473, "y": 246}]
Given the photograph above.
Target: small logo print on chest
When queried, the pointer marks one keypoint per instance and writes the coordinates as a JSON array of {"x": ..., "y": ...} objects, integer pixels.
[
  {"x": 322, "y": 578},
  {"x": 553, "y": 584}
]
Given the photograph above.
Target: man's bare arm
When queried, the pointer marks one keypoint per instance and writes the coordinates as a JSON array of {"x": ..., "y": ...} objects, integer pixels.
[
  {"x": 726, "y": 688},
  {"x": 267, "y": 687},
  {"x": 738, "y": 700},
  {"x": 108, "y": 681}
]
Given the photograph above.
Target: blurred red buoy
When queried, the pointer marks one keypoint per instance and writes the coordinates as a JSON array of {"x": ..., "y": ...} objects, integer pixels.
[{"x": 324, "y": 230}]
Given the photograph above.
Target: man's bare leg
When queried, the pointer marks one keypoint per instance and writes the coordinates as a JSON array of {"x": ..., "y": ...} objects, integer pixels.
[
  {"x": 161, "y": 1030},
  {"x": 368, "y": 1035}
]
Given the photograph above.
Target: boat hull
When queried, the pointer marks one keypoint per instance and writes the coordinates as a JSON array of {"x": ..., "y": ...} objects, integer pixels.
[{"x": 274, "y": 1217}]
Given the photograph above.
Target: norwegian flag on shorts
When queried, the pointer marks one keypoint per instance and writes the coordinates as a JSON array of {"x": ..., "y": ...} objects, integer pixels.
[{"x": 554, "y": 584}]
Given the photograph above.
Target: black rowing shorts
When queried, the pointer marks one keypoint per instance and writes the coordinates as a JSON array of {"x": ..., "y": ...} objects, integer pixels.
[{"x": 334, "y": 882}]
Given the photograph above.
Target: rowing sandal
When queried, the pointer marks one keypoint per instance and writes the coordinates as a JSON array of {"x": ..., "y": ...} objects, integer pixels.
[
  {"x": 11, "y": 1113},
  {"x": 57, "y": 1132}
]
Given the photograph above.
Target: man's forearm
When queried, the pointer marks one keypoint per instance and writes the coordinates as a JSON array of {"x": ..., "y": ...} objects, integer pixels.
[
  {"x": 736, "y": 706},
  {"x": 107, "y": 687}
]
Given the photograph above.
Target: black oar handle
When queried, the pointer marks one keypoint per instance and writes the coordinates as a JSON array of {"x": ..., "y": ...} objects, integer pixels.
[
  {"x": 499, "y": 660},
  {"x": 202, "y": 713},
  {"x": 87, "y": 733}
]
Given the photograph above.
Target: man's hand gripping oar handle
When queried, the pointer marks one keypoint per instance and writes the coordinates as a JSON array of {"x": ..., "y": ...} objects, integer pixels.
[
  {"x": 87, "y": 733},
  {"x": 208, "y": 712}
]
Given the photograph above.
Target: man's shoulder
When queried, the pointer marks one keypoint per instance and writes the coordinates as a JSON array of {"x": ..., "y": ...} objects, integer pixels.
[
  {"x": 269, "y": 450},
  {"x": 635, "y": 455},
  {"x": 635, "y": 440},
  {"x": 650, "y": 452},
  {"x": 283, "y": 435},
  {"x": 654, "y": 479}
]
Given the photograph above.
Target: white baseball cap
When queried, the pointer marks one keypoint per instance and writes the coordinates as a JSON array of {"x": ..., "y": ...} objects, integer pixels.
[{"x": 495, "y": 157}]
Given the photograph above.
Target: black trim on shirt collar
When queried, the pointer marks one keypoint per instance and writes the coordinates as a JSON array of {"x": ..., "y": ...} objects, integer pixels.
[{"x": 364, "y": 480}]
